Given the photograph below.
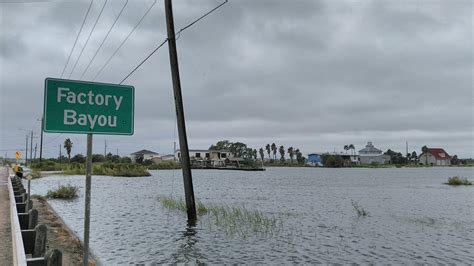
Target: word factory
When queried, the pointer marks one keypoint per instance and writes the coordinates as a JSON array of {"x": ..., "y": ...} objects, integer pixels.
[{"x": 71, "y": 117}]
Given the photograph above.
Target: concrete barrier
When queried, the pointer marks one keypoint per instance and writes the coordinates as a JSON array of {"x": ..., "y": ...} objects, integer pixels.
[{"x": 19, "y": 256}]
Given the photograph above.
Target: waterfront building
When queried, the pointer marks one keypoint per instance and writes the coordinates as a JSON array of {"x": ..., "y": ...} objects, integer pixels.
[
  {"x": 314, "y": 159},
  {"x": 215, "y": 156},
  {"x": 435, "y": 156},
  {"x": 370, "y": 154},
  {"x": 147, "y": 155}
]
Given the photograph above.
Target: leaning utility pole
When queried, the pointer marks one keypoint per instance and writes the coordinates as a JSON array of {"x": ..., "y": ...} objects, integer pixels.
[{"x": 183, "y": 141}]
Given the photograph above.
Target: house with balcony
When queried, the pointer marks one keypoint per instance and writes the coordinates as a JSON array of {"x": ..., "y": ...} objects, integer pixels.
[{"x": 370, "y": 154}]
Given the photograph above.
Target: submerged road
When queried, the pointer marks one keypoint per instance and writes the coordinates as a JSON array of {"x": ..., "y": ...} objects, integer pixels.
[{"x": 6, "y": 252}]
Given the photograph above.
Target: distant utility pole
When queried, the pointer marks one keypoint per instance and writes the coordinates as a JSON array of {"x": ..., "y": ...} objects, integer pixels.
[
  {"x": 31, "y": 146},
  {"x": 26, "y": 151},
  {"x": 60, "y": 154},
  {"x": 41, "y": 141},
  {"x": 105, "y": 148},
  {"x": 117, "y": 152},
  {"x": 407, "y": 147},
  {"x": 36, "y": 146},
  {"x": 183, "y": 141}
]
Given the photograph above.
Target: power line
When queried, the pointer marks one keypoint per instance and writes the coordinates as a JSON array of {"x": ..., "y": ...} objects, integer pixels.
[
  {"x": 88, "y": 38},
  {"x": 179, "y": 32},
  {"x": 77, "y": 37},
  {"x": 144, "y": 60},
  {"x": 123, "y": 42},
  {"x": 103, "y": 41}
]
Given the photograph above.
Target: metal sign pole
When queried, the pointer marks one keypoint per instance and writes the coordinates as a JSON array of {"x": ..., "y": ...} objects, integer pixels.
[{"x": 87, "y": 207}]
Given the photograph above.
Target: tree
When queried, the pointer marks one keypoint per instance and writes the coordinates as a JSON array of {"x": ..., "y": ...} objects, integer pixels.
[
  {"x": 220, "y": 145},
  {"x": 455, "y": 160},
  {"x": 78, "y": 158},
  {"x": 346, "y": 148},
  {"x": 262, "y": 153},
  {"x": 98, "y": 158},
  {"x": 139, "y": 158},
  {"x": 238, "y": 149},
  {"x": 282, "y": 153},
  {"x": 68, "y": 147},
  {"x": 424, "y": 150},
  {"x": 332, "y": 160},
  {"x": 291, "y": 153},
  {"x": 299, "y": 156},
  {"x": 351, "y": 147},
  {"x": 268, "y": 150},
  {"x": 274, "y": 149},
  {"x": 254, "y": 154},
  {"x": 414, "y": 157}
]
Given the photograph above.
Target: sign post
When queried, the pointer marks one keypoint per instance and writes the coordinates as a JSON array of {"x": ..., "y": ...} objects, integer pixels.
[{"x": 72, "y": 106}]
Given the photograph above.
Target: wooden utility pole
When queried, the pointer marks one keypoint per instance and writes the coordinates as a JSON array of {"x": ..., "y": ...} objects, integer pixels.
[
  {"x": 26, "y": 152},
  {"x": 31, "y": 147},
  {"x": 183, "y": 141},
  {"x": 87, "y": 208},
  {"x": 41, "y": 141}
]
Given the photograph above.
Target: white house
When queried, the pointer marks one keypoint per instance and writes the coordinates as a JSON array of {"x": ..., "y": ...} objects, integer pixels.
[
  {"x": 435, "y": 156},
  {"x": 147, "y": 155},
  {"x": 370, "y": 154},
  {"x": 205, "y": 154}
]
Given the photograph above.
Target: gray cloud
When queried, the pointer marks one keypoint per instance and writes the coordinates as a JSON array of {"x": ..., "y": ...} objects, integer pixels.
[{"x": 311, "y": 74}]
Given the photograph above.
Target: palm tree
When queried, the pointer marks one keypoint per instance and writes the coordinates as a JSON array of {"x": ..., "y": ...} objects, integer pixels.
[
  {"x": 351, "y": 147},
  {"x": 291, "y": 153},
  {"x": 424, "y": 150},
  {"x": 68, "y": 147},
  {"x": 346, "y": 148},
  {"x": 282, "y": 153},
  {"x": 274, "y": 149},
  {"x": 414, "y": 156},
  {"x": 262, "y": 153},
  {"x": 268, "y": 150}
]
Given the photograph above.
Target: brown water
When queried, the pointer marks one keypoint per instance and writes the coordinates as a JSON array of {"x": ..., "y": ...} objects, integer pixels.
[{"x": 413, "y": 217}]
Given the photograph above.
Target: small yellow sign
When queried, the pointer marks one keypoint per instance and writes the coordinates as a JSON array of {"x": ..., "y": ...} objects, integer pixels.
[{"x": 17, "y": 155}]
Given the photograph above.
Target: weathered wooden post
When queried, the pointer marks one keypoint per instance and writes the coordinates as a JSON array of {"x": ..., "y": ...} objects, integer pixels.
[
  {"x": 40, "y": 240},
  {"x": 32, "y": 218},
  {"x": 54, "y": 258}
]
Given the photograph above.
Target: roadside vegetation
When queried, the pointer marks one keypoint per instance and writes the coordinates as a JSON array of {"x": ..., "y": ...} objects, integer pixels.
[
  {"x": 457, "y": 181},
  {"x": 63, "y": 192},
  {"x": 234, "y": 220}
]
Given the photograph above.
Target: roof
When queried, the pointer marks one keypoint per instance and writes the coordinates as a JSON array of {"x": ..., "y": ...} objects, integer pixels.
[
  {"x": 144, "y": 152},
  {"x": 439, "y": 153},
  {"x": 369, "y": 148}
]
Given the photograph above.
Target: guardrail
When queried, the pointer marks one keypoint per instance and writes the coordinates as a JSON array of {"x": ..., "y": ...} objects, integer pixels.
[{"x": 28, "y": 237}]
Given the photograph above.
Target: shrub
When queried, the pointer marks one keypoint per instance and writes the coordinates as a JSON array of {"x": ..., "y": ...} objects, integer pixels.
[
  {"x": 63, "y": 192},
  {"x": 457, "y": 181}
]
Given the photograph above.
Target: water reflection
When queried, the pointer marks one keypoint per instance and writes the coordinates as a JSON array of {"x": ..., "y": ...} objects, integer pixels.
[{"x": 188, "y": 251}]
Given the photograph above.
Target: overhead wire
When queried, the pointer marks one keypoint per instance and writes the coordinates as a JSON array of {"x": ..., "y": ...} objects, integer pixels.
[
  {"x": 166, "y": 40},
  {"x": 77, "y": 37},
  {"x": 88, "y": 38},
  {"x": 123, "y": 42},
  {"x": 103, "y": 41}
]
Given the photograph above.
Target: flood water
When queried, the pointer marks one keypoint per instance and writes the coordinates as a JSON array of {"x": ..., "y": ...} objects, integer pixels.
[{"x": 413, "y": 217}]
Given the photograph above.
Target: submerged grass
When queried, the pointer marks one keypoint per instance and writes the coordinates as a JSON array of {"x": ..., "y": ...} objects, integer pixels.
[
  {"x": 457, "y": 181},
  {"x": 234, "y": 220},
  {"x": 359, "y": 209},
  {"x": 63, "y": 192}
]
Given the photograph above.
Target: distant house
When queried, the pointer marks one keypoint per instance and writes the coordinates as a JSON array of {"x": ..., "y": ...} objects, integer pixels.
[
  {"x": 147, "y": 155},
  {"x": 370, "y": 154},
  {"x": 314, "y": 159},
  {"x": 162, "y": 158},
  {"x": 205, "y": 155},
  {"x": 435, "y": 156}
]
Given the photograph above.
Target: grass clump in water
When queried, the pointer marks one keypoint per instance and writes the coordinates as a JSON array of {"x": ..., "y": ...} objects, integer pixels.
[
  {"x": 457, "y": 181},
  {"x": 234, "y": 220},
  {"x": 63, "y": 192},
  {"x": 359, "y": 209}
]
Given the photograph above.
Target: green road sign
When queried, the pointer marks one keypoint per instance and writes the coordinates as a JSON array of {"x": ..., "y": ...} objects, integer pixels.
[{"x": 72, "y": 106}]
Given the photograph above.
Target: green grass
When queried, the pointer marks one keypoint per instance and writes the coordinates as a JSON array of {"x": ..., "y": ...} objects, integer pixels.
[
  {"x": 233, "y": 220},
  {"x": 457, "y": 181},
  {"x": 63, "y": 192},
  {"x": 359, "y": 209},
  {"x": 108, "y": 169},
  {"x": 164, "y": 165}
]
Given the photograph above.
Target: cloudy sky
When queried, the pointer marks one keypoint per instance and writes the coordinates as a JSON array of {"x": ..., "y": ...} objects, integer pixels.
[{"x": 313, "y": 74}]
